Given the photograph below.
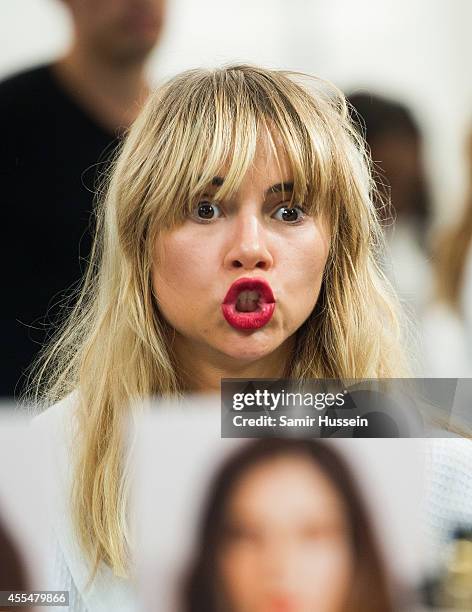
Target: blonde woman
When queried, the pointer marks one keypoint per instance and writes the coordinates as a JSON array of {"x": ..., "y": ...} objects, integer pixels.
[{"x": 237, "y": 238}]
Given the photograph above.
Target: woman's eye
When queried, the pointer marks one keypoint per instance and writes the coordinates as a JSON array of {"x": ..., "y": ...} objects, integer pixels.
[
  {"x": 206, "y": 211},
  {"x": 291, "y": 214},
  {"x": 237, "y": 534}
]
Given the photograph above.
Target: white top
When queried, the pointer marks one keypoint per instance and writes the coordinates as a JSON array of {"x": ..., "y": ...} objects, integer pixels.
[
  {"x": 410, "y": 270},
  {"x": 447, "y": 334},
  {"x": 69, "y": 570},
  {"x": 448, "y": 492}
]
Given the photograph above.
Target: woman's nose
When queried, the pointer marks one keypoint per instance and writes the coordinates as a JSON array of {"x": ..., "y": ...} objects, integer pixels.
[
  {"x": 279, "y": 565},
  {"x": 248, "y": 247}
]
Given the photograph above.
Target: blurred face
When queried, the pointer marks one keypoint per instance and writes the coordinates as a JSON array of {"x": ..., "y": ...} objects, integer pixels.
[
  {"x": 120, "y": 30},
  {"x": 239, "y": 277},
  {"x": 286, "y": 546}
]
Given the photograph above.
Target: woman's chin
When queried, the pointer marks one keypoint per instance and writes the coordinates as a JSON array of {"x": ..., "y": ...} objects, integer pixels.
[{"x": 250, "y": 348}]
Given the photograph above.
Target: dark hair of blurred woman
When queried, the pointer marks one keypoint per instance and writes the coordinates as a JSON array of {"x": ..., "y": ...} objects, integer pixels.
[{"x": 12, "y": 572}]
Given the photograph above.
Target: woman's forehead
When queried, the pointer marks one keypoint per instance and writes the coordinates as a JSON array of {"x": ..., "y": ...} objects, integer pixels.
[
  {"x": 270, "y": 165},
  {"x": 268, "y": 480},
  {"x": 261, "y": 170},
  {"x": 271, "y": 158}
]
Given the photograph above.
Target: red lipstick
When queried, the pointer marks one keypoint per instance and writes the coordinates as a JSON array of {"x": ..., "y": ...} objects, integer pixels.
[
  {"x": 282, "y": 604},
  {"x": 249, "y": 303}
]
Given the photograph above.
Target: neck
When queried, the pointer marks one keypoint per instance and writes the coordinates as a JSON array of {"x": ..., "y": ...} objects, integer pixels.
[
  {"x": 202, "y": 368},
  {"x": 111, "y": 92}
]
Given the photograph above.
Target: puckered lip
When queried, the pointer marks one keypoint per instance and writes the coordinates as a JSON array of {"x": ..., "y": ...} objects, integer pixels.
[{"x": 249, "y": 284}]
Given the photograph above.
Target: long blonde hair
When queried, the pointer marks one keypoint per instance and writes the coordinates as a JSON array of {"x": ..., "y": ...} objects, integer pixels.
[{"x": 114, "y": 347}]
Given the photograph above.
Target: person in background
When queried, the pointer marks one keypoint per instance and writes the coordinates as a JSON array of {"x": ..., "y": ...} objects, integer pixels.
[
  {"x": 60, "y": 123},
  {"x": 285, "y": 528},
  {"x": 447, "y": 327},
  {"x": 395, "y": 141}
]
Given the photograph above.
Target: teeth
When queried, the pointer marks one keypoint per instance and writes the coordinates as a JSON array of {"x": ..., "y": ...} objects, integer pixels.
[{"x": 248, "y": 301}]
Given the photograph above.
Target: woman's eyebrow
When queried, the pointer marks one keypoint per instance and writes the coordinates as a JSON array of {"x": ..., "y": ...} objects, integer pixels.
[
  {"x": 217, "y": 181},
  {"x": 279, "y": 187}
]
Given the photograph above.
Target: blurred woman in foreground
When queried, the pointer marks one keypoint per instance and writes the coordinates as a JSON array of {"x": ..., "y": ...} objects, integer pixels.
[{"x": 285, "y": 530}]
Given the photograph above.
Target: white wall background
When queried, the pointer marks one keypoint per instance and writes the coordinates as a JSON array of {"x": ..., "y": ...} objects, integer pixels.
[{"x": 416, "y": 50}]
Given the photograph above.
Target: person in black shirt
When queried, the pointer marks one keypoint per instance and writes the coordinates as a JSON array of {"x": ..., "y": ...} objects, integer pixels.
[{"x": 59, "y": 125}]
